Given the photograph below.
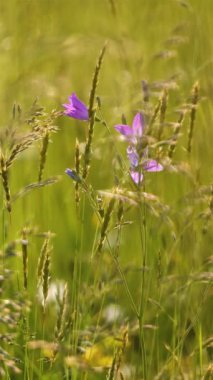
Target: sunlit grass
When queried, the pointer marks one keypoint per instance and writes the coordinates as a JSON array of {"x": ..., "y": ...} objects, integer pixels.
[{"x": 105, "y": 279}]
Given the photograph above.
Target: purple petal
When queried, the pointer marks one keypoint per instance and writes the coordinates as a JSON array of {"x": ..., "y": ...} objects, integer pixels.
[
  {"x": 76, "y": 103},
  {"x": 133, "y": 156},
  {"x": 136, "y": 176},
  {"x": 138, "y": 125},
  {"x": 152, "y": 166},
  {"x": 76, "y": 108},
  {"x": 124, "y": 129},
  {"x": 76, "y": 114},
  {"x": 72, "y": 174}
]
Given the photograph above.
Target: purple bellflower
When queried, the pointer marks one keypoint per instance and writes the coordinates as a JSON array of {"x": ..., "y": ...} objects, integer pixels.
[
  {"x": 76, "y": 108},
  {"x": 134, "y": 135},
  {"x": 72, "y": 174}
]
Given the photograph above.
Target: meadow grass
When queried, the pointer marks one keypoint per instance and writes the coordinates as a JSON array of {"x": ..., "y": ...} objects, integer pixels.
[{"x": 101, "y": 277}]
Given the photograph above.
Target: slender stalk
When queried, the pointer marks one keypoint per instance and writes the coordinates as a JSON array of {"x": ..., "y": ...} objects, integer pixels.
[
  {"x": 195, "y": 99},
  {"x": 24, "y": 245},
  {"x": 92, "y": 111},
  {"x": 176, "y": 135},
  {"x": 115, "y": 258},
  {"x": 143, "y": 236},
  {"x": 162, "y": 110},
  {"x": 43, "y": 155}
]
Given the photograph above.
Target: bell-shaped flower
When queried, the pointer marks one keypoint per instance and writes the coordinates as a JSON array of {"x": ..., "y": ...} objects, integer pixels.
[
  {"x": 148, "y": 165},
  {"x": 76, "y": 108},
  {"x": 72, "y": 174},
  {"x": 132, "y": 133},
  {"x": 138, "y": 163}
]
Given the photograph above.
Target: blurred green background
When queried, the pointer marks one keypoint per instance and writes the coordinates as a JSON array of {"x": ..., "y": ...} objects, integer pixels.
[{"x": 48, "y": 49}]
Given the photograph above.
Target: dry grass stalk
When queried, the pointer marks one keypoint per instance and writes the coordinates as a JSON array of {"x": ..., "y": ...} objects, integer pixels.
[
  {"x": 112, "y": 370},
  {"x": 59, "y": 329},
  {"x": 95, "y": 81},
  {"x": 43, "y": 155},
  {"x": 92, "y": 113},
  {"x": 22, "y": 145},
  {"x": 163, "y": 108},
  {"x": 46, "y": 278},
  {"x": 105, "y": 224},
  {"x": 154, "y": 117},
  {"x": 195, "y": 98},
  {"x": 33, "y": 186},
  {"x": 42, "y": 256},
  {"x": 45, "y": 128},
  {"x": 117, "y": 359},
  {"x": 176, "y": 135},
  {"x": 4, "y": 175},
  {"x": 121, "y": 350},
  {"x": 16, "y": 145},
  {"x": 24, "y": 244}
]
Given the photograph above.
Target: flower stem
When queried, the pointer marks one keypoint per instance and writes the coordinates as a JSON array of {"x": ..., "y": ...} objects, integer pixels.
[{"x": 142, "y": 219}]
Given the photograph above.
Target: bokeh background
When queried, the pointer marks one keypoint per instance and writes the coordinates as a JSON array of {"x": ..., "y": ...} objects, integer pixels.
[{"x": 48, "y": 49}]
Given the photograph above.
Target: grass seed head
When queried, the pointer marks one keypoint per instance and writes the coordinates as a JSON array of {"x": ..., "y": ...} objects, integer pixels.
[
  {"x": 92, "y": 112},
  {"x": 46, "y": 278},
  {"x": 194, "y": 103}
]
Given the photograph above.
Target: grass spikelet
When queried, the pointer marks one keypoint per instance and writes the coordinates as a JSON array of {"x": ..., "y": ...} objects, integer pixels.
[
  {"x": 154, "y": 117},
  {"x": 117, "y": 359},
  {"x": 195, "y": 98},
  {"x": 95, "y": 80},
  {"x": 24, "y": 245},
  {"x": 4, "y": 174},
  {"x": 105, "y": 224},
  {"x": 43, "y": 155},
  {"x": 35, "y": 185},
  {"x": 59, "y": 329},
  {"x": 92, "y": 113},
  {"x": 162, "y": 110},
  {"x": 175, "y": 135},
  {"x": 77, "y": 169},
  {"x": 22, "y": 145},
  {"x": 42, "y": 256},
  {"x": 46, "y": 277},
  {"x": 112, "y": 370}
]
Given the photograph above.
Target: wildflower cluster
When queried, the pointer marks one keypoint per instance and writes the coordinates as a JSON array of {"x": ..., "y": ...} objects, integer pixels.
[
  {"x": 138, "y": 161},
  {"x": 133, "y": 135}
]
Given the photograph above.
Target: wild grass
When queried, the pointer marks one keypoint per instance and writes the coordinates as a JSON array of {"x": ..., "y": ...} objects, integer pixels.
[{"x": 103, "y": 278}]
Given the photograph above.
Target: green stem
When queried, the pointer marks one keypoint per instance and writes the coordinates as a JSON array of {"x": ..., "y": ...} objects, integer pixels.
[
  {"x": 143, "y": 237},
  {"x": 115, "y": 259}
]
